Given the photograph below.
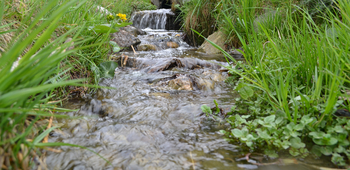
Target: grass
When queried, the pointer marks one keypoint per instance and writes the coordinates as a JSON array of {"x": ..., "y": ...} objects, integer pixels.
[
  {"x": 34, "y": 35},
  {"x": 78, "y": 21},
  {"x": 296, "y": 70},
  {"x": 126, "y": 6},
  {"x": 25, "y": 89},
  {"x": 198, "y": 15}
]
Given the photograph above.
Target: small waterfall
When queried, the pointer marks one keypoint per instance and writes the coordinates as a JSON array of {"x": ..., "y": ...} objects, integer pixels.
[{"x": 154, "y": 19}]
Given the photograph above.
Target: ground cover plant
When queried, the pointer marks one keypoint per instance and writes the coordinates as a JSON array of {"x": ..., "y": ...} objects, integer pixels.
[{"x": 293, "y": 86}]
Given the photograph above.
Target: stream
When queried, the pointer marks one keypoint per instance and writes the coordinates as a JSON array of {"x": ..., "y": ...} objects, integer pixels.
[{"x": 152, "y": 118}]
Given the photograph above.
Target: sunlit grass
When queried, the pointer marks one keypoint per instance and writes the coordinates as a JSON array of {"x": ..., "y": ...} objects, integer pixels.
[{"x": 26, "y": 87}]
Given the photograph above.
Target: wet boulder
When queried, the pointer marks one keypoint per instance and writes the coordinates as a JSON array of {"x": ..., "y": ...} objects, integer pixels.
[
  {"x": 207, "y": 80},
  {"x": 214, "y": 76},
  {"x": 160, "y": 94},
  {"x": 164, "y": 65},
  {"x": 187, "y": 63},
  {"x": 199, "y": 81},
  {"x": 218, "y": 38},
  {"x": 175, "y": 82},
  {"x": 133, "y": 30},
  {"x": 125, "y": 39},
  {"x": 124, "y": 60},
  {"x": 171, "y": 44},
  {"x": 146, "y": 47},
  {"x": 164, "y": 42},
  {"x": 181, "y": 83},
  {"x": 204, "y": 84}
]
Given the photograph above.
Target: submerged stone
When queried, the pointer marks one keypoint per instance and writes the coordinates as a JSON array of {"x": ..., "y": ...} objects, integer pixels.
[
  {"x": 181, "y": 83},
  {"x": 159, "y": 94},
  {"x": 172, "y": 44},
  {"x": 146, "y": 47}
]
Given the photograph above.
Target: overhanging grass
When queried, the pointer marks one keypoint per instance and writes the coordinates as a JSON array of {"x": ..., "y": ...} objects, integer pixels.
[{"x": 26, "y": 89}]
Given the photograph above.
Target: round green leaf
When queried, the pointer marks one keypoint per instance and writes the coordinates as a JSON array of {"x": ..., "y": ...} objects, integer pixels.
[
  {"x": 271, "y": 153},
  {"x": 269, "y": 119},
  {"x": 317, "y": 135},
  {"x": 222, "y": 131},
  {"x": 115, "y": 46},
  {"x": 327, "y": 150},
  {"x": 237, "y": 133},
  {"x": 325, "y": 141},
  {"x": 298, "y": 127},
  {"x": 107, "y": 69},
  {"x": 263, "y": 134},
  {"x": 296, "y": 143},
  {"x": 246, "y": 92},
  {"x": 338, "y": 159}
]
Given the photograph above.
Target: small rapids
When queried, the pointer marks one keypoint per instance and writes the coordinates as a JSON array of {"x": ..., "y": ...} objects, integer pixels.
[{"x": 150, "y": 118}]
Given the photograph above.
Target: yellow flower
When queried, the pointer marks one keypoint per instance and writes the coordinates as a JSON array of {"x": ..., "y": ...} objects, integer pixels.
[{"x": 122, "y": 16}]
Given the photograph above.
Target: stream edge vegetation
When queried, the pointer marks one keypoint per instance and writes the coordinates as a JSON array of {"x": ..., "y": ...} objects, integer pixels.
[
  {"x": 50, "y": 51},
  {"x": 294, "y": 82}
]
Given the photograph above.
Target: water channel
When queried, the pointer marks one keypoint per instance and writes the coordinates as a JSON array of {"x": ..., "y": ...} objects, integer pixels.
[{"x": 152, "y": 119}]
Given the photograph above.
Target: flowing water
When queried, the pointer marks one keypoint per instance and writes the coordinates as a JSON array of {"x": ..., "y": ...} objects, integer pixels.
[
  {"x": 154, "y": 19},
  {"x": 152, "y": 118}
]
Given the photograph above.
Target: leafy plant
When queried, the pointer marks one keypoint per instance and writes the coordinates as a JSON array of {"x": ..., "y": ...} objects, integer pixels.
[
  {"x": 107, "y": 69},
  {"x": 217, "y": 107},
  {"x": 206, "y": 109}
]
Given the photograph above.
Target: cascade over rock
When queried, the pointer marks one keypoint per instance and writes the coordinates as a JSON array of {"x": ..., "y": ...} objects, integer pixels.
[{"x": 155, "y": 19}]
